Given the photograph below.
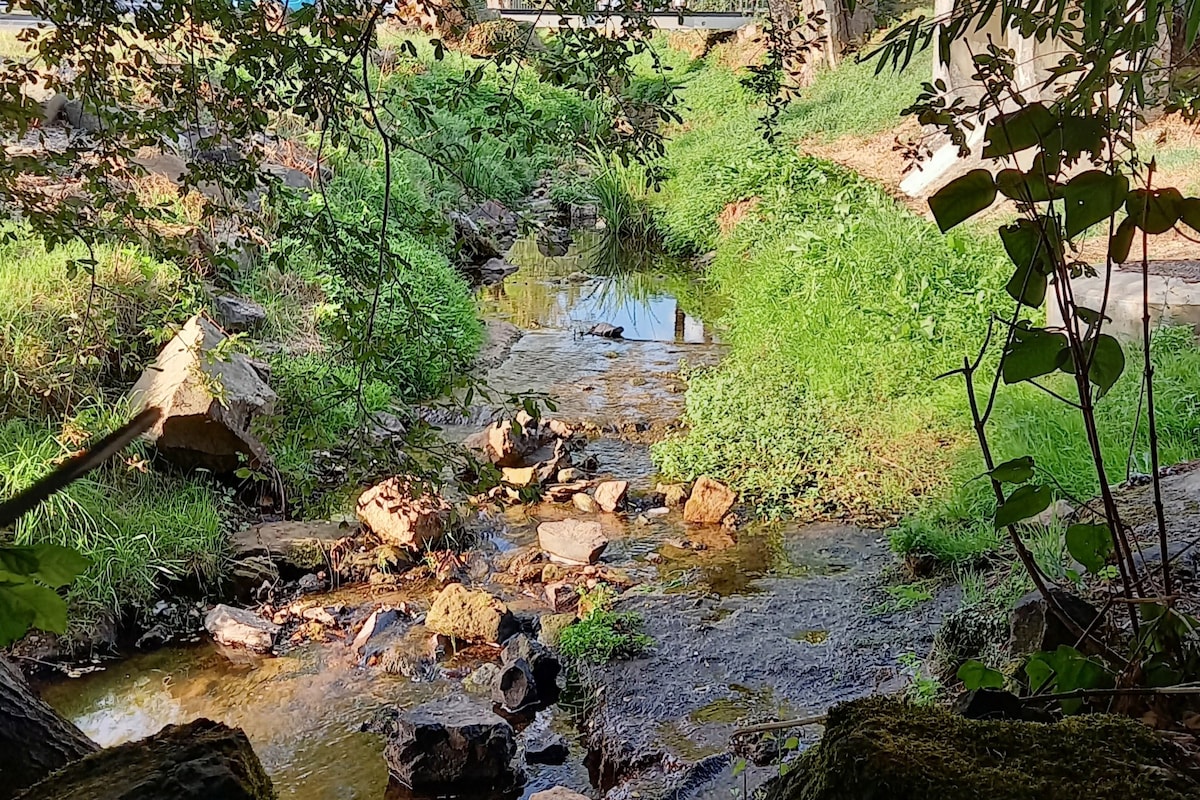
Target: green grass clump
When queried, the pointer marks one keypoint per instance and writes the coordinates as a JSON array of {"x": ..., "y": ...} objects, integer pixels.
[
  {"x": 604, "y": 635},
  {"x": 140, "y": 529},
  {"x": 956, "y": 527}
]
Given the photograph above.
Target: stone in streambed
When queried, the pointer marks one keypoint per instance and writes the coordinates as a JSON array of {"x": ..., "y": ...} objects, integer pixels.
[
  {"x": 585, "y": 503},
  {"x": 473, "y": 616},
  {"x": 544, "y": 665},
  {"x": 515, "y": 688},
  {"x": 449, "y": 745},
  {"x": 674, "y": 494},
  {"x": 572, "y": 541},
  {"x": 519, "y": 476},
  {"x": 709, "y": 502},
  {"x": 558, "y": 793},
  {"x": 610, "y": 495},
  {"x": 403, "y": 513},
  {"x": 551, "y": 749},
  {"x": 551, "y": 626},
  {"x": 237, "y": 627},
  {"x": 202, "y": 760}
]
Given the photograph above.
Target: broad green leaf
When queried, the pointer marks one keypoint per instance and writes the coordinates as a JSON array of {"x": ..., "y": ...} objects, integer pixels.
[
  {"x": 18, "y": 561},
  {"x": 962, "y": 198},
  {"x": 1025, "y": 502},
  {"x": 1091, "y": 197},
  {"x": 16, "y": 616},
  {"x": 1024, "y": 187},
  {"x": 58, "y": 566},
  {"x": 1154, "y": 211},
  {"x": 1189, "y": 211},
  {"x": 791, "y": 743},
  {"x": 1032, "y": 353},
  {"x": 1038, "y": 670},
  {"x": 1017, "y": 470},
  {"x": 1020, "y": 130},
  {"x": 1090, "y": 315},
  {"x": 976, "y": 675},
  {"x": 1090, "y": 545},
  {"x": 49, "y": 609},
  {"x": 1027, "y": 248},
  {"x": 1108, "y": 362},
  {"x": 1120, "y": 243},
  {"x": 1081, "y": 134}
]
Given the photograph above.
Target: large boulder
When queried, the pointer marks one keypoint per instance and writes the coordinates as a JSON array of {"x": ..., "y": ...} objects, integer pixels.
[
  {"x": 709, "y": 502},
  {"x": 449, "y": 745},
  {"x": 472, "y": 616},
  {"x": 34, "y": 740},
  {"x": 882, "y": 747},
  {"x": 202, "y": 760},
  {"x": 403, "y": 513},
  {"x": 209, "y": 401},
  {"x": 237, "y": 314},
  {"x": 295, "y": 548},
  {"x": 572, "y": 541},
  {"x": 237, "y": 627}
]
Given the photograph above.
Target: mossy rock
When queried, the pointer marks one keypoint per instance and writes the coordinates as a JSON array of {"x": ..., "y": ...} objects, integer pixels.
[{"x": 882, "y": 748}]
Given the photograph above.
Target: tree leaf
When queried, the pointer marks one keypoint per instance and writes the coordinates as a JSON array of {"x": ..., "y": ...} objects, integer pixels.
[
  {"x": 963, "y": 198},
  {"x": 1026, "y": 187},
  {"x": 1108, "y": 362},
  {"x": 1025, "y": 502},
  {"x": 1090, "y": 545},
  {"x": 1019, "y": 130},
  {"x": 1033, "y": 352},
  {"x": 49, "y": 609},
  {"x": 976, "y": 675},
  {"x": 1092, "y": 196},
  {"x": 1026, "y": 247},
  {"x": 15, "y": 616},
  {"x": 1038, "y": 670},
  {"x": 1189, "y": 210},
  {"x": 1154, "y": 211},
  {"x": 58, "y": 566},
  {"x": 1120, "y": 243},
  {"x": 1017, "y": 470}
]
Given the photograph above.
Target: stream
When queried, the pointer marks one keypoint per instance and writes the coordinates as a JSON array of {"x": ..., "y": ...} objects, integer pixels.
[{"x": 775, "y": 619}]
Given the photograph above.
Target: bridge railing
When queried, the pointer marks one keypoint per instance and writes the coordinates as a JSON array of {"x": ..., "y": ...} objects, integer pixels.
[{"x": 742, "y": 8}]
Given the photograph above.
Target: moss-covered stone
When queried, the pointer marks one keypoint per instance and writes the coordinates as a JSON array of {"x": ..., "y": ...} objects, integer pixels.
[{"x": 881, "y": 748}]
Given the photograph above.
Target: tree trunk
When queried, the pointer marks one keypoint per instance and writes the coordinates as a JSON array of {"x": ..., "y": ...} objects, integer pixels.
[{"x": 34, "y": 739}]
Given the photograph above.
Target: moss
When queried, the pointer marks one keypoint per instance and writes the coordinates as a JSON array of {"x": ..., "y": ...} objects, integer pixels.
[{"x": 881, "y": 748}]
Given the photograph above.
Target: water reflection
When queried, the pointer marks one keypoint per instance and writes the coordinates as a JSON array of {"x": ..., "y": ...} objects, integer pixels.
[{"x": 592, "y": 283}]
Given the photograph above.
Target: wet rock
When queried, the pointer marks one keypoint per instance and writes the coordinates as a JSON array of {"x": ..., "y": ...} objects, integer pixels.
[
  {"x": 709, "y": 502},
  {"x": 919, "y": 752},
  {"x": 562, "y": 596},
  {"x": 585, "y": 503},
  {"x": 674, "y": 494},
  {"x": 237, "y": 627},
  {"x": 202, "y": 760},
  {"x": 610, "y": 495},
  {"x": 499, "y": 444},
  {"x": 473, "y": 616},
  {"x": 568, "y": 475},
  {"x": 34, "y": 740},
  {"x": 515, "y": 688},
  {"x": 450, "y": 744},
  {"x": 379, "y": 620},
  {"x": 481, "y": 680},
  {"x": 494, "y": 218},
  {"x": 496, "y": 268},
  {"x": 309, "y": 583},
  {"x": 474, "y": 246},
  {"x": 551, "y": 749},
  {"x": 552, "y": 626},
  {"x": 198, "y": 430},
  {"x": 519, "y": 476},
  {"x": 237, "y": 314},
  {"x": 295, "y": 548},
  {"x": 543, "y": 664},
  {"x": 558, "y": 793},
  {"x": 403, "y": 513},
  {"x": 1034, "y": 627},
  {"x": 564, "y": 492},
  {"x": 572, "y": 541},
  {"x": 561, "y": 429}
]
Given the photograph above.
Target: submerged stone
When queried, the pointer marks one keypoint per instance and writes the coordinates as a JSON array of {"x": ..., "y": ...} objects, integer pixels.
[{"x": 883, "y": 747}]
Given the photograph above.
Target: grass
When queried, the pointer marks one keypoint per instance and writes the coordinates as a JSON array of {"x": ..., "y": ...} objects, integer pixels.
[
  {"x": 602, "y": 636},
  {"x": 138, "y": 527}
]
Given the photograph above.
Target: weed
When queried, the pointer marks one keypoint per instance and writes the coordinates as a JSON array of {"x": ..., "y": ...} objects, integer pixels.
[
  {"x": 603, "y": 635},
  {"x": 905, "y": 596},
  {"x": 923, "y": 689}
]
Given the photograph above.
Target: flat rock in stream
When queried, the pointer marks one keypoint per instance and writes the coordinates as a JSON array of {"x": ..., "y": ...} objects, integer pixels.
[
  {"x": 202, "y": 760},
  {"x": 450, "y": 745},
  {"x": 237, "y": 627},
  {"x": 295, "y": 548},
  {"x": 572, "y": 541}
]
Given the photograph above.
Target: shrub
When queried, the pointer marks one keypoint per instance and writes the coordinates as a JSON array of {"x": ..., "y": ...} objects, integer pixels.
[{"x": 604, "y": 635}]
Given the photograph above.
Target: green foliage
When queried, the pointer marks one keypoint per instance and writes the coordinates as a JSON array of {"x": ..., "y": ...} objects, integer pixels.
[
  {"x": 138, "y": 530},
  {"x": 976, "y": 675},
  {"x": 29, "y": 577},
  {"x": 604, "y": 635}
]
